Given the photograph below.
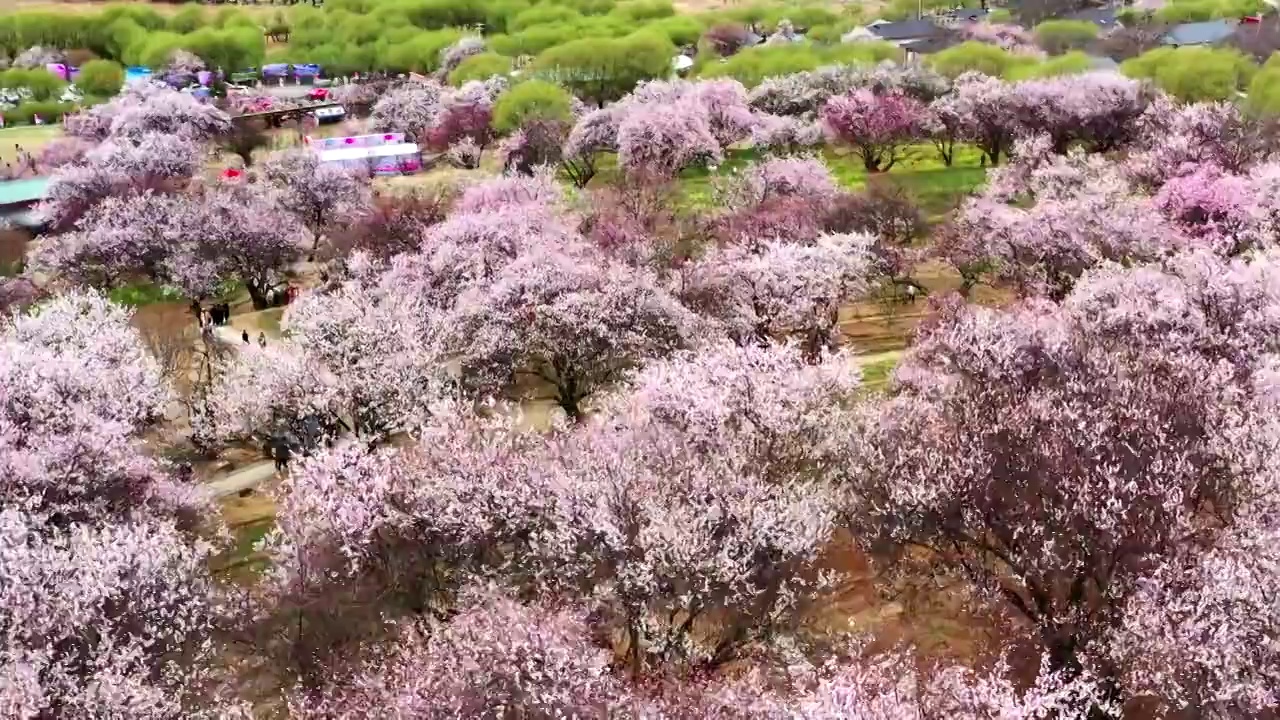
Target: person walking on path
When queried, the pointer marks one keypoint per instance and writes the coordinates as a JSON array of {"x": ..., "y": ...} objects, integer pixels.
[
  {"x": 262, "y": 340},
  {"x": 280, "y": 453},
  {"x": 244, "y": 335}
]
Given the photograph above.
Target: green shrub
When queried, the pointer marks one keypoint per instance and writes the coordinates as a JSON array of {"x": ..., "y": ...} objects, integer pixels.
[
  {"x": 43, "y": 84},
  {"x": 980, "y": 57},
  {"x": 529, "y": 100},
  {"x": 751, "y": 66},
  {"x": 1072, "y": 63},
  {"x": 602, "y": 70},
  {"x": 100, "y": 77},
  {"x": 679, "y": 29},
  {"x": 421, "y": 54},
  {"x": 50, "y": 112},
  {"x": 1060, "y": 36},
  {"x": 1194, "y": 74},
  {"x": 480, "y": 67},
  {"x": 638, "y": 10}
]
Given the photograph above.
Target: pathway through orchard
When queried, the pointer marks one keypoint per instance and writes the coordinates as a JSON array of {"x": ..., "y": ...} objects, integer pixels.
[{"x": 249, "y": 477}]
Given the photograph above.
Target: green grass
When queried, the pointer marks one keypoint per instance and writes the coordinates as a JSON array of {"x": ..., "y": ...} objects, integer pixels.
[
  {"x": 938, "y": 188},
  {"x": 876, "y": 368},
  {"x": 144, "y": 293},
  {"x": 247, "y": 537},
  {"x": 30, "y": 137}
]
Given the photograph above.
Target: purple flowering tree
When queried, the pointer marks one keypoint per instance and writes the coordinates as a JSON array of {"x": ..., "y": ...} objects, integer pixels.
[
  {"x": 874, "y": 126},
  {"x": 320, "y": 196}
]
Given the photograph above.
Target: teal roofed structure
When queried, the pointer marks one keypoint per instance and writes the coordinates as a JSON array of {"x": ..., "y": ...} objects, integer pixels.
[
  {"x": 22, "y": 192},
  {"x": 18, "y": 197}
]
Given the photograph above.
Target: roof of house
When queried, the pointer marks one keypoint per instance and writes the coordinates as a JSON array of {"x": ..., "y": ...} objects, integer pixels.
[
  {"x": 366, "y": 153},
  {"x": 1199, "y": 33},
  {"x": 1103, "y": 17},
  {"x": 18, "y": 192},
  {"x": 930, "y": 45},
  {"x": 906, "y": 30}
]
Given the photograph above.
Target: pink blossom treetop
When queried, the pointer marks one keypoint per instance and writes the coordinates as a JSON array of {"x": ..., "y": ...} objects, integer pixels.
[
  {"x": 1225, "y": 593},
  {"x": 659, "y": 140},
  {"x": 319, "y": 195},
  {"x": 1174, "y": 139},
  {"x": 121, "y": 237},
  {"x": 594, "y": 132},
  {"x": 982, "y": 104},
  {"x": 1010, "y": 37},
  {"x": 152, "y": 108},
  {"x": 495, "y": 658},
  {"x": 92, "y": 124},
  {"x": 785, "y": 135},
  {"x": 193, "y": 242},
  {"x": 802, "y": 177},
  {"x": 677, "y": 525},
  {"x": 471, "y": 249},
  {"x": 465, "y": 114},
  {"x": 725, "y": 101},
  {"x": 1098, "y": 109},
  {"x": 874, "y": 126},
  {"x": 803, "y": 94},
  {"x": 574, "y": 323},
  {"x": 1057, "y": 455},
  {"x": 163, "y": 163},
  {"x": 779, "y": 288},
  {"x": 1084, "y": 213},
  {"x": 361, "y": 528},
  {"x": 270, "y": 391},
  {"x": 722, "y": 101},
  {"x": 61, "y": 152},
  {"x": 377, "y": 343},
  {"x": 452, "y": 56},
  {"x": 112, "y": 621},
  {"x": 713, "y": 398},
  {"x": 884, "y": 686},
  {"x": 248, "y": 235},
  {"x": 1212, "y": 205},
  {"x": 410, "y": 108},
  {"x": 78, "y": 390},
  {"x": 798, "y": 219},
  {"x": 511, "y": 192},
  {"x": 1044, "y": 250},
  {"x": 363, "y": 93}
]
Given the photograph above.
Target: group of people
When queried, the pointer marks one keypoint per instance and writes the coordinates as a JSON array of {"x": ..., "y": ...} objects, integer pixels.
[
  {"x": 24, "y": 164},
  {"x": 262, "y": 338},
  {"x": 276, "y": 298},
  {"x": 219, "y": 314}
]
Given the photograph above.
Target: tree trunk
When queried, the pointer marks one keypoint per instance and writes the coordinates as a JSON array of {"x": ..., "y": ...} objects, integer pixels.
[
  {"x": 258, "y": 295},
  {"x": 569, "y": 404}
]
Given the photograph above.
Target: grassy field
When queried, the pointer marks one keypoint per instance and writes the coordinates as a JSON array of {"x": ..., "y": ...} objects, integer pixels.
[
  {"x": 164, "y": 8},
  {"x": 30, "y": 137},
  {"x": 936, "y": 187}
]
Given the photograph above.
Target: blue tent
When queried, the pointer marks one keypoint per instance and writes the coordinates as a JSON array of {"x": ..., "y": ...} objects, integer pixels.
[{"x": 136, "y": 74}]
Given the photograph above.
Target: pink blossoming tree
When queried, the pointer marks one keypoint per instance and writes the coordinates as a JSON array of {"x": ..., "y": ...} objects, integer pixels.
[{"x": 874, "y": 126}]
